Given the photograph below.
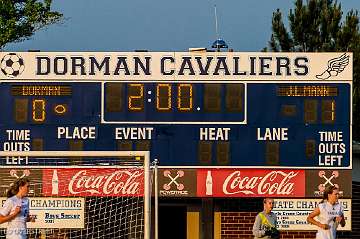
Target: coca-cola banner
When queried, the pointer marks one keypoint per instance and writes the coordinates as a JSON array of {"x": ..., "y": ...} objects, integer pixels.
[
  {"x": 250, "y": 183},
  {"x": 93, "y": 182}
]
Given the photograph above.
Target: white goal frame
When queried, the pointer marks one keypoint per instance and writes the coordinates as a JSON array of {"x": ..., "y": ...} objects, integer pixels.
[{"x": 62, "y": 154}]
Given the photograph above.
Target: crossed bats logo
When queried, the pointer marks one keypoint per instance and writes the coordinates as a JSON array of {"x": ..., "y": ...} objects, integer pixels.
[
  {"x": 13, "y": 173},
  {"x": 322, "y": 174},
  {"x": 179, "y": 174},
  {"x": 335, "y": 66}
]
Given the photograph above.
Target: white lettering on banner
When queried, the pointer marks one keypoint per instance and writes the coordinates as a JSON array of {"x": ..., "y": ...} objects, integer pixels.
[
  {"x": 76, "y": 133},
  {"x": 185, "y": 65},
  {"x": 331, "y": 148},
  {"x": 273, "y": 134},
  {"x": 16, "y": 134},
  {"x": 18, "y": 140},
  {"x": 234, "y": 184},
  {"x": 133, "y": 133},
  {"x": 16, "y": 146},
  {"x": 331, "y": 136},
  {"x": 118, "y": 182},
  {"x": 173, "y": 193},
  {"x": 214, "y": 134}
]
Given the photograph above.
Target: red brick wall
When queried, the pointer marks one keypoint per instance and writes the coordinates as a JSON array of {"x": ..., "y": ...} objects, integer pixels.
[
  {"x": 238, "y": 225},
  {"x": 355, "y": 216}
]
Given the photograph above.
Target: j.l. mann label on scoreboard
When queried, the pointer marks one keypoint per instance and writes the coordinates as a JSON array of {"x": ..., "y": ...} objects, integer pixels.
[{"x": 55, "y": 212}]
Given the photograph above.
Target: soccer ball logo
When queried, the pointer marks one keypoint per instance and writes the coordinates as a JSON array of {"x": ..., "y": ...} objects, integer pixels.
[{"x": 12, "y": 65}]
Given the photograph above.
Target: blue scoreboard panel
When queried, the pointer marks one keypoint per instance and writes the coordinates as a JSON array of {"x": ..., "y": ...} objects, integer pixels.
[{"x": 279, "y": 122}]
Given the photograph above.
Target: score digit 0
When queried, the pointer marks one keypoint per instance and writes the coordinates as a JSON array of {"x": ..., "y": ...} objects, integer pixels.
[
  {"x": 38, "y": 111},
  {"x": 163, "y": 97},
  {"x": 185, "y": 97}
]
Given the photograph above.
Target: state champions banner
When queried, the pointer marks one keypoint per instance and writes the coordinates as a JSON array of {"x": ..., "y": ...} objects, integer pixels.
[
  {"x": 52, "y": 212},
  {"x": 292, "y": 214}
]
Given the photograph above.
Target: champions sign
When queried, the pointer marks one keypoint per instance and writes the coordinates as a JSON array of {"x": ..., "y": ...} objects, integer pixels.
[
  {"x": 162, "y": 66},
  {"x": 52, "y": 212},
  {"x": 292, "y": 213}
]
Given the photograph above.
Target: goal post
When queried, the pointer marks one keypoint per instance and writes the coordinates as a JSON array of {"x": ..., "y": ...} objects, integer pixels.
[{"x": 119, "y": 165}]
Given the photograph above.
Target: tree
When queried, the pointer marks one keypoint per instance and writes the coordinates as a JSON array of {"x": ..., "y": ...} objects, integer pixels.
[
  {"x": 20, "y": 19},
  {"x": 316, "y": 26}
]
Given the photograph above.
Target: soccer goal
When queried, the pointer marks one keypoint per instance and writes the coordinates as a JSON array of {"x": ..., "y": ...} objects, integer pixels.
[{"x": 84, "y": 194}]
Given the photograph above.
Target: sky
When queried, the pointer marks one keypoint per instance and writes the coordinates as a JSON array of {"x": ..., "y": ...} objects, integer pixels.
[{"x": 159, "y": 25}]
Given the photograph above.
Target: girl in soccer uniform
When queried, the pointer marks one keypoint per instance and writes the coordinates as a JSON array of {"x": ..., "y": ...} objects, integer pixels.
[
  {"x": 329, "y": 213},
  {"x": 16, "y": 210}
]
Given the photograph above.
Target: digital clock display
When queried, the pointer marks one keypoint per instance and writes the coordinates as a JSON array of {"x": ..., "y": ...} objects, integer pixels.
[{"x": 174, "y": 102}]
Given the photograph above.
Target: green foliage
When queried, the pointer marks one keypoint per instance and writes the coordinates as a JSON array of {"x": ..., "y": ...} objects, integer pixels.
[
  {"x": 19, "y": 19},
  {"x": 317, "y": 26}
]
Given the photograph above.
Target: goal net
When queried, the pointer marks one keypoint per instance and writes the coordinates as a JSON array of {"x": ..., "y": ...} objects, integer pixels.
[{"x": 82, "y": 194}]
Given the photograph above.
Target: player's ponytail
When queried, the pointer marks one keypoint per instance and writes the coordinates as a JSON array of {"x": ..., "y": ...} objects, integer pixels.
[{"x": 14, "y": 187}]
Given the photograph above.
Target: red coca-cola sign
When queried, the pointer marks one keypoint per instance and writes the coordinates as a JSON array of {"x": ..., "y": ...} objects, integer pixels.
[
  {"x": 250, "y": 183},
  {"x": 93, "y": 182}
]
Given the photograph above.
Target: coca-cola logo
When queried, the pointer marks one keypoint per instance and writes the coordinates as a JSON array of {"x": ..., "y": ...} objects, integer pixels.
[
  {"x": 119, "y": 182},
  {"x": 273, "y": 183},
  {"x": 93, "y": 182}
]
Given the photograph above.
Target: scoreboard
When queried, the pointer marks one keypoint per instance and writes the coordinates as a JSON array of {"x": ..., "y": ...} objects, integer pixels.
[{"x": 188, "y": 109}]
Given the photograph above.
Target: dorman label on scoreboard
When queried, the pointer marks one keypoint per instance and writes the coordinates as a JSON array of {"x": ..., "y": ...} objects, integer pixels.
[{"x": 162, "y": 66}]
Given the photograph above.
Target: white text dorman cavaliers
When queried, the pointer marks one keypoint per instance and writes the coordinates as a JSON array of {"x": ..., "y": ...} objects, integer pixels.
[{"x": 168, "y": 65}]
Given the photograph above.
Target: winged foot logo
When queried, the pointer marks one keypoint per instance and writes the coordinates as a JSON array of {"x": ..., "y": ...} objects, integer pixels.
[{"x": 335, "y": 66}]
